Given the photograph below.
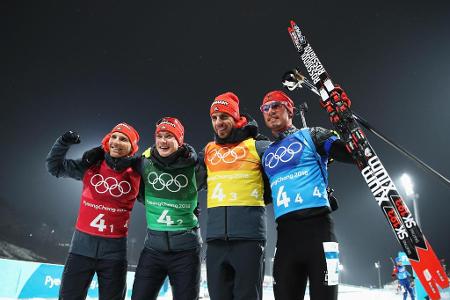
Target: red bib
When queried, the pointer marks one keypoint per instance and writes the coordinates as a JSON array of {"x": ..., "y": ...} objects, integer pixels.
[{"x": 107, "y": 199}]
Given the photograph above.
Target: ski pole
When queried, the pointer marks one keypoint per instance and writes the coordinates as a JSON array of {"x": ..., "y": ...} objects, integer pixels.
[
  {"x": 303, "y": 110},
  {"x": 399, "y": 148}
]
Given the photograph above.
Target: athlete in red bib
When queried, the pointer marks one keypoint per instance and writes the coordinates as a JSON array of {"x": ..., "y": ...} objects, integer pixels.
[
  {"x": 110, "y": 188},
  {"x": 107, "y": 199}
]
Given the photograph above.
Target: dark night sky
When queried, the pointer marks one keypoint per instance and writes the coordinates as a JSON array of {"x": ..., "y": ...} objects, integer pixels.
[{"x": 87, "y": 65}]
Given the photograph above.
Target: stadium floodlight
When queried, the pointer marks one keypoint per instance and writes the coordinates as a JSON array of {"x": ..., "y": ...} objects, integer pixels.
[{"x": 407, "y": 184}]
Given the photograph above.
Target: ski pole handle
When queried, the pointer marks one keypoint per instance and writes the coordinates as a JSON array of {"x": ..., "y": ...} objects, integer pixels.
[{"x": 303, "y": 109}]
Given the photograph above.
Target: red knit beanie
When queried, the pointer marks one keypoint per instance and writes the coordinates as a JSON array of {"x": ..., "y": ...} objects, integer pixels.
[
  {"x": 227, "y": 103},
  {"x": 126, "y": 129},
  {"x": 172, "y": 125},
  {"x": 279, "y": 96}
]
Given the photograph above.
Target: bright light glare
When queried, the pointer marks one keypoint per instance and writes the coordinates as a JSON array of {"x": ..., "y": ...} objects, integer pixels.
[{"x": 407, "y": 184}]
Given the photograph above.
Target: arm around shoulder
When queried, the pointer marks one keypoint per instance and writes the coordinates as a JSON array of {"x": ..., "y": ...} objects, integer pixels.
[
  {"x": 201, "y": 173},
  {"x": 261, "y": 146}
]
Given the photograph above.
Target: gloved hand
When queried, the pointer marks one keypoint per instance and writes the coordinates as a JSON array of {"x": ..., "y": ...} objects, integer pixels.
[
  {"x": 337, "y": 104},
  {"x": 332, "y": 199},
  {"x": 340, "y": 98},
  {"x": 93, "y": 156},
  {"x": 197, "y": 211},
  {"x": 71, "y": 137},
  {"x": 261, "y": 137}
]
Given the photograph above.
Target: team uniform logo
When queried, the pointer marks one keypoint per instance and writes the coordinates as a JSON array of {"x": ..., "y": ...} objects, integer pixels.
[
  {"x": 297, "y": 178},
  {"x": 106, "y": 201},
  {"x": 167, "y": 181},
  {"x": 221, "y": 102},
  {"x": 283, "y": 154},
  {"x": 226, "y": 165},
  {"x": 111, "y": 185},
  {"x": 227, "y": 155}
]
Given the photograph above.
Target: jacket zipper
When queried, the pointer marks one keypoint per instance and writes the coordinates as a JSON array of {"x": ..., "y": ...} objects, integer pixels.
[
  {"x": 168, "y": 242},
  {"x": 226, "y": 223}
]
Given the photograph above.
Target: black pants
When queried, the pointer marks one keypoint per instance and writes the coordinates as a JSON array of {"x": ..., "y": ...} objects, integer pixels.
[
  {"x": 300, "y": 257},
  {"x": 235, "y": 269},
  {"x": 182, "y": 267},
  {"x": 79, "y": 271}
]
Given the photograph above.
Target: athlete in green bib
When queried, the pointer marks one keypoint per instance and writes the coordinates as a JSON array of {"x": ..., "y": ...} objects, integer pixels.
[
  {"x": 170, "y": 196},
  {"x": 173, "y": 242}
]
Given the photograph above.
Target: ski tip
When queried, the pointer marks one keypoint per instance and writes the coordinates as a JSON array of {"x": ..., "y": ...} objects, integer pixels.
[
  {"x": 293, "y": 23},
  {"x": 290, "y": 29},
  {"x": 429, "y": 271}
]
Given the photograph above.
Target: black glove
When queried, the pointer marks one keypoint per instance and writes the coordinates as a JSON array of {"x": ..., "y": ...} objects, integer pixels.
[
  {"x": 93, "y": 156},
  {"x": 261, "y": 137},
  {"x": 197, "y": 211},
  {"x": 71, "y": 137},
  {"x": 332, "y": 199}
]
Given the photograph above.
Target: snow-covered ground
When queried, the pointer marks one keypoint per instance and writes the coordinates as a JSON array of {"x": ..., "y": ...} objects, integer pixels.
[
  {"x": 346, "y": 292},
  {"x": 11, "y": 251}
]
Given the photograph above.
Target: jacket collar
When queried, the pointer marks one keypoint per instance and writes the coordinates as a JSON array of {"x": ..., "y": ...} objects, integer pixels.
[
  {"x": 184, "y": 157},
  {"x": 240, "y": 134},
  {"x": 119, "y": 164}
]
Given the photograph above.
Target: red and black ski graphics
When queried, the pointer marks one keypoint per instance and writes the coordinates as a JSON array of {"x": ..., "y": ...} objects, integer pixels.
[{"x": 422, "y": 257}]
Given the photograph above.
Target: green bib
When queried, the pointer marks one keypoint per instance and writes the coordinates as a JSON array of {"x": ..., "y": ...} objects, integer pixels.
[{"x": 170, "y": 197}]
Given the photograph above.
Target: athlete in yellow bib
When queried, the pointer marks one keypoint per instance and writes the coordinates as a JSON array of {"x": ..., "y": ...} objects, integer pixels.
[
  {"x": 236, "y": 226},
  {"x": 228, "y": 164}
]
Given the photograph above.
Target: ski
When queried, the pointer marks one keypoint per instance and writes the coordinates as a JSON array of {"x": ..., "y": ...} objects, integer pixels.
[{"x": 422, "y": 257}]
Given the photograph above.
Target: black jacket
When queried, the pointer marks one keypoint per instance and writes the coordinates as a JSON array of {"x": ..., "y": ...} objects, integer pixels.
[{"x": 83, "y": 243}]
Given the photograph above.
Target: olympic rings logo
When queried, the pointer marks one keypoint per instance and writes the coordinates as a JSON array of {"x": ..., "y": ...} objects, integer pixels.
[
  {"x": 111, "y": 185},
  {"x": 165, "y": 180},
  {"x": 282, "y": 154},
  {"x": 227, "y": 155}
]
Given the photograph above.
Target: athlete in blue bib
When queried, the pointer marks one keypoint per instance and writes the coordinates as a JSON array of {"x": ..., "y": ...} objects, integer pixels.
[
  {"x": 403, "y": 277},
  {"x": 298, "y": 175},
  {"x": 296, "y": 165}
]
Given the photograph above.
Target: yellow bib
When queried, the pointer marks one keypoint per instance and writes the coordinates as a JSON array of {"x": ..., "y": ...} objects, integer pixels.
[{"x": 234, "y": 175}]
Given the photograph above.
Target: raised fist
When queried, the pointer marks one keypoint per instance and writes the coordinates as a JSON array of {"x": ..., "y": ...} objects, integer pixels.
[{"x": 71, "y": 137}]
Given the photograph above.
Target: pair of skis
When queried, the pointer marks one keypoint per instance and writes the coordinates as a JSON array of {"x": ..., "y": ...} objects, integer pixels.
[{"x": 421, "y": 256}]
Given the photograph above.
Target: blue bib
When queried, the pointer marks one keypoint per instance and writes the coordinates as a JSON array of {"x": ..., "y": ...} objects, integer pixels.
[
  {"x": 297, "y": 173},
  {"x": 402, "y": 272}
]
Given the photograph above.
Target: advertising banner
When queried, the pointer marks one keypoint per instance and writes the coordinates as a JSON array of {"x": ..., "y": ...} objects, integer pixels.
[{"x": 28, "y": 280}]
